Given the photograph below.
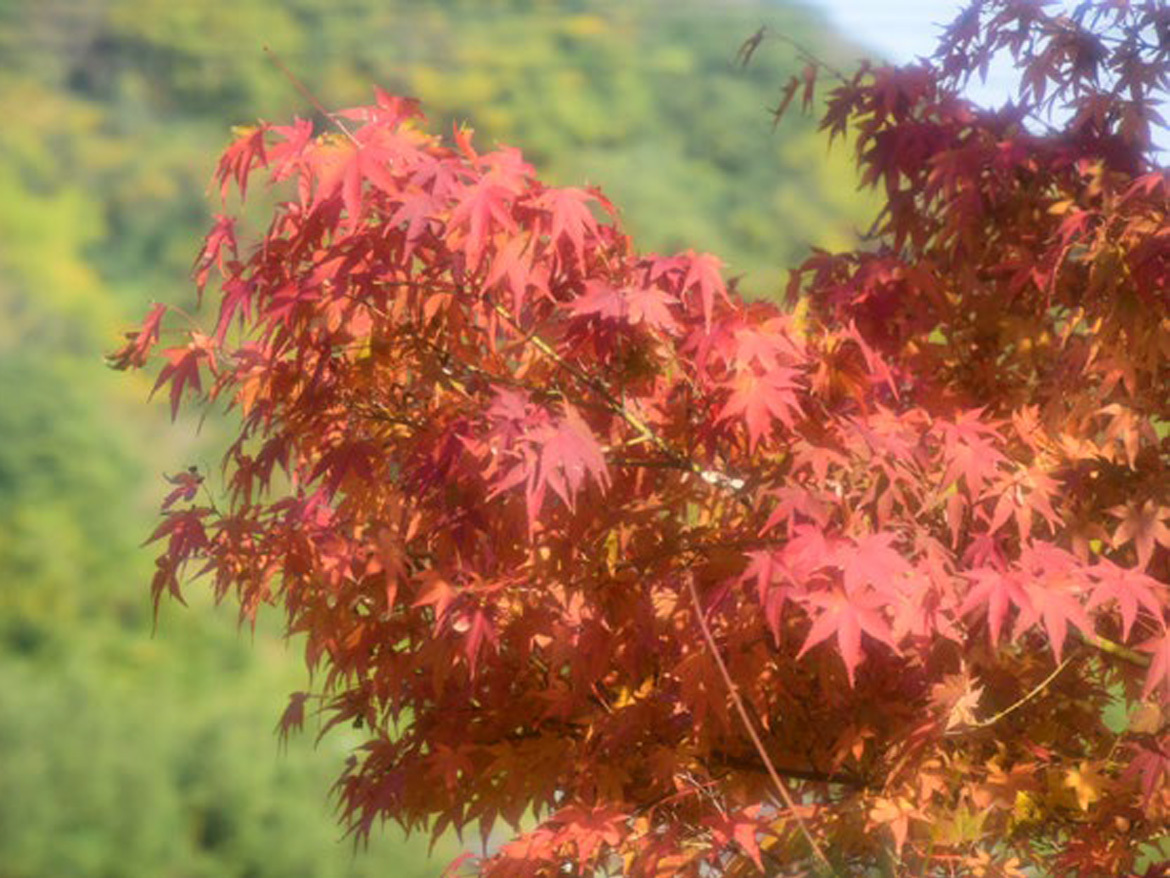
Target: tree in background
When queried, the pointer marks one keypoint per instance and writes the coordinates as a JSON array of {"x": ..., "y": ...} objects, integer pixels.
[{"x": 875, "y": 584}]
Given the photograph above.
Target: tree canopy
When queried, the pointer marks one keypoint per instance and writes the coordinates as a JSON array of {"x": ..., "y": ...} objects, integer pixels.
[
  {"x": 874, "y": 582},
  {"x": 134, "y": 755}
]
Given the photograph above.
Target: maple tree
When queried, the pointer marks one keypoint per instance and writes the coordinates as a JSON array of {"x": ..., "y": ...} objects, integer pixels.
[{"x": 672, "y": 583}]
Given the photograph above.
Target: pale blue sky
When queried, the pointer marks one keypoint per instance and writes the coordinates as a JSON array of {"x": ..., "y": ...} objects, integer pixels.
[
  {"x": 904, "y": 29},
  {"x": 901, "y": 30}
]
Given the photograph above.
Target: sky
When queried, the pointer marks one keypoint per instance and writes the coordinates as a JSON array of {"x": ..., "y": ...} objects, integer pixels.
[
  {"x": 904, "y": 29},
  {"x": 901, "y": 30}
]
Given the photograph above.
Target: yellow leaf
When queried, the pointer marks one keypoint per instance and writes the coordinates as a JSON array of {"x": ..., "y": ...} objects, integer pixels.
[
  {"x": 1025, "y": 809},
  {"x": 1146, "y": 719},
  {"x": 1086, "y": 783},
  {"x": 628, "y": 695}
]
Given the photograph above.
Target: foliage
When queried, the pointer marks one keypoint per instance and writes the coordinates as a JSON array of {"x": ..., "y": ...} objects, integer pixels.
[
  {"x": 574, "y": 529},
  {"x": 119, "y": 750}
]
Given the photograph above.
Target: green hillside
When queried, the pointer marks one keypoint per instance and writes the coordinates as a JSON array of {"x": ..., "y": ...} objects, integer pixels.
[{"x": 124, "y": 754}]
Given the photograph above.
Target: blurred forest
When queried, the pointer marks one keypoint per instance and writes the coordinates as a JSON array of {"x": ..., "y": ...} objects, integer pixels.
[{"x": 124, "y": 753}]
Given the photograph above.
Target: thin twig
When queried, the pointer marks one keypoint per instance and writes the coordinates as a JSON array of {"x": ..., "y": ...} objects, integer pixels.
[
  {"x": 982, "y": 724},
  {"x": 308, "y": 95},
  {"x": 812, "y": 58},
  {"x": 741, "y": 709}
]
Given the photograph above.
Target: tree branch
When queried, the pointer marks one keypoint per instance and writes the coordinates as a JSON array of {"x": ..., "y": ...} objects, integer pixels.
[
  {"x": 1117, "y": 650},
  {"x": 741, "y": 709},
  {"x": 742, "y": 763},
  {"x": 982, "y": 724},
  {"x": 615, "y": 405}
]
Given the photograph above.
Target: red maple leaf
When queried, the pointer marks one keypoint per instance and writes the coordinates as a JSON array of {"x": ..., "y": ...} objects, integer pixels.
[
  {"x": 569, "y": 453},
  {"x": 871, "y": 561},
  {"x": 741, "y": 827},
  {"x": 187, "y": 486},
  {"x": 1128, "y": 588},
  {"x": 847, "y": 616},
  {"x": 245, "y": 154},
  {"x": 182, "y": 369},
  {"x": 997, "y": 590},
  {"x": 222, "y": 236},
  {"x": 638, "y": 305},
  {"x": 478, "y": 631},
  {"x": 1151, "y": 765},
  {"x": 1055, "y": 587},
  {"x": 484, "y": 207},
  {"x": 139, "y": 342},
  {"x": 293, "y": 717},
  {"x": 1144, "y": 527},
  {"x": 571, "y": 219},
  {"x": 768, "y": 345},
  {"x": 971, "y": 451},
  {"x": 761, "y": 400},
  {"x": 704, "y": 275},
  {"x": 589, "y": 830},
  {"x": 512, "y": 263}
]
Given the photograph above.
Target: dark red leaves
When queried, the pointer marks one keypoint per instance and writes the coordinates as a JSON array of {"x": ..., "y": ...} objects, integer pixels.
[
  {"x": 186, "y": 487},
  {"x": 293, "y": 718},
  {"x": 182, "y": 369},
  {"x": 139, "y": 343},
  {"x": 1157, "y": 683},
  {"x": 222, "y": 236}
]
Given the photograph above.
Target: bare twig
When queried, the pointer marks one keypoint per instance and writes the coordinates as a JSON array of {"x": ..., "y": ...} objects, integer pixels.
[
  {"x": 990, "y": 721},
  {"x": 308, "y": 95},
  {"x": 747, "y": 763},
  {"x": 744, "y": 56},
  {"x": 812, "y": 58},
  {"x": 741, "y": 709}
]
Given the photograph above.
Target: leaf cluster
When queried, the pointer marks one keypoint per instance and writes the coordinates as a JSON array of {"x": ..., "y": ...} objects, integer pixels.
[{"x": 490, "y": 454}]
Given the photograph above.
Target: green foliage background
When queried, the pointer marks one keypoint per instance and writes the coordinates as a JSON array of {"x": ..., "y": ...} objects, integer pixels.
[{"x": 124, "y": 754}]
